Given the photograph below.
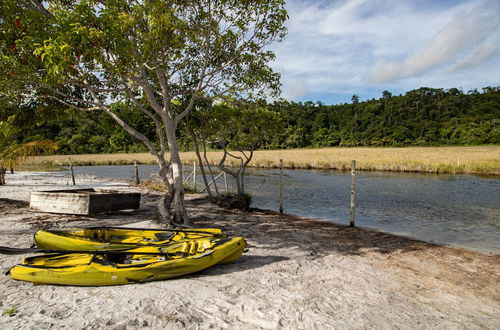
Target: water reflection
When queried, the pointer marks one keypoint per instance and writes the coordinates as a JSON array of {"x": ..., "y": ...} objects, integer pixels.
[{"x": 459, "y": 210}]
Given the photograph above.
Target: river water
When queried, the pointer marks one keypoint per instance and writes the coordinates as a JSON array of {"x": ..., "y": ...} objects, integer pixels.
[{"x": 458, "y": 210}]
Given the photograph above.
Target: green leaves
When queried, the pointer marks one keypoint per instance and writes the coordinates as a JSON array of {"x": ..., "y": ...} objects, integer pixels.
[
  {"x": 242, "y": 127},
  {"x": 211, "y": 47},
  {"x": 17, "y": 153}
]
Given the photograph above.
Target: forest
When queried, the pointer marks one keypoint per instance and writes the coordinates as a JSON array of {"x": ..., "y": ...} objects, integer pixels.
[{"x": 421, "y": 117}]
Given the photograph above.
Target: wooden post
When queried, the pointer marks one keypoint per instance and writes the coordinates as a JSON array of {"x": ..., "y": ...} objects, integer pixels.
[
  {"x": 282, "y": 188},
  {"x": 136, "y": 171},
  {"x": 353, "y": 193},
  {"x": 225, "y": 181},
  {"x": 72, "y": 173},
  {"x": 3, "y": 170},
  {"x": 194, "y": 176}
]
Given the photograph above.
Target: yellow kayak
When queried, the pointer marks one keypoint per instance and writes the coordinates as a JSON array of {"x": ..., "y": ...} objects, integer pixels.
[
  {"x": 112, "y": 238},
  {"x": 133, "y": 266}
]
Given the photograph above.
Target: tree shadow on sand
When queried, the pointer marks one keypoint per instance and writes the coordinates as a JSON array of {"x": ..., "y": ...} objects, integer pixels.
[
  {"x": 8, "y": 204},
  {"x": 260, "y": 227},
  {"x": 315, "y": 237}
]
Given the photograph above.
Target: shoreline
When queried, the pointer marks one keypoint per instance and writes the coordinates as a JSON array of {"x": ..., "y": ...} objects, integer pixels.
[
  {"x": 90, "y": 181},
  {"x": 299, "y": 273},
  {"x": 476, "y": 160},
  {"x": 62, "y": 168},
  {"x": 376, "y": 231}
]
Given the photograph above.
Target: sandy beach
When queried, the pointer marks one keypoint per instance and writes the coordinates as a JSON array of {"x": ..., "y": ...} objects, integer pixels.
[{"x": 298, "y": 274}]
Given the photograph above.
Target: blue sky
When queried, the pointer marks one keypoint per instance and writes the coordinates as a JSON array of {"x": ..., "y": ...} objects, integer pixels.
[{"x": 338, "y": 48}]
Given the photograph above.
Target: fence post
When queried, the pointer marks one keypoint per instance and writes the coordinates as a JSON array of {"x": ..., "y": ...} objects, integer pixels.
[
  {"x": 136, "y": 171},
  {"x": 353, "y": 193},
  {"x": 225, "y": 182},
  {"x": 3, "y": 170},
  {"x": 282, "y": 188},
  {"x": 194, "y": 176},
  {"x": 72, "y": 173}
]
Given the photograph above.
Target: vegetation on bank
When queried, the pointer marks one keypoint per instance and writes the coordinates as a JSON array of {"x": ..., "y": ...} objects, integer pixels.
[
  {"x": 484, "y": 160},
  {"x": 422, "y": 117}
]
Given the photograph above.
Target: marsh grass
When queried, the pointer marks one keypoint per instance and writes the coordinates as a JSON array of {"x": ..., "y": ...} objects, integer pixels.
[
  {"x": 39, "y": 167},
  {"x": 483, "y": 160},
  {"x": 157, "y": 185}
]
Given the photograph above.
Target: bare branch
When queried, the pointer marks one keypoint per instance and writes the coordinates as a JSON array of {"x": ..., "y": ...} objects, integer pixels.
[{"x": 46, "y": 96}]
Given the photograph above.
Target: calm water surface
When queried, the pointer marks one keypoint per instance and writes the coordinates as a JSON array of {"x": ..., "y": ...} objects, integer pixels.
[{"x": 459, "y": 210}]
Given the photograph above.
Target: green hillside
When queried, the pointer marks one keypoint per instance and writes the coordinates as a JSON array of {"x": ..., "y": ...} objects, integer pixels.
[{"x": 421, "y": 117}]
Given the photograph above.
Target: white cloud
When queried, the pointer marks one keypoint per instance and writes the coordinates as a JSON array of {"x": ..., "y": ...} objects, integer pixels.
[
  {"x": 481, "y": 54},
  {"x": 295, "y": 90},
  {"x": 332, "y": 47},
  {"x": 464, "y": 31}
]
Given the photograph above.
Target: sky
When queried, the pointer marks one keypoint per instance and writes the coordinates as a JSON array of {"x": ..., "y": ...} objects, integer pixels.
[{"x": 337, "y": 48}]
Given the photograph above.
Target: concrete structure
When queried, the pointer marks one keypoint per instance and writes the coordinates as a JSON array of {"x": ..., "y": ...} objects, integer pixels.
[{"x": 83, "y": 201}]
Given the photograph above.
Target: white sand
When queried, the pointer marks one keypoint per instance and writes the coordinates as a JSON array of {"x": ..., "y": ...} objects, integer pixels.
[{"x": 298, "y": 274}]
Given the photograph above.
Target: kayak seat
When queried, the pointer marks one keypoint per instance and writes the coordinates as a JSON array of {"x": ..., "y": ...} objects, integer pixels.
[{"x": 164, "y": 236}]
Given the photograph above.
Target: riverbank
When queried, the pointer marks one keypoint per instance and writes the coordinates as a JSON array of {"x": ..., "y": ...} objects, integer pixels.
[
  {"x": 482, "y": 160},
  {"x": 299, "y": 273}
]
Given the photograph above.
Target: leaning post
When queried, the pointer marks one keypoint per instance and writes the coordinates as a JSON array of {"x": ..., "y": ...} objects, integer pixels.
[
  {"x": 282, "y": 188},
  {"x": 136, "y": 171},
  {"x": 353, "y": 193},
  {"x": 72, "y": 173}
]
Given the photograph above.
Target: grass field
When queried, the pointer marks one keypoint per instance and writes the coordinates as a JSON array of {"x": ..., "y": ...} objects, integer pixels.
[{"x": 473, "y": 160}]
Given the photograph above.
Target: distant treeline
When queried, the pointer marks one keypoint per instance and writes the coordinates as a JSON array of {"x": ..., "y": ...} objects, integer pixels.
[
  {"x": 421, "y": 117},
  {"x": 425, "y": 116}
]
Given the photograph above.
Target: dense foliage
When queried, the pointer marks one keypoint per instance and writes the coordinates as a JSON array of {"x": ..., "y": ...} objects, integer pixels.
[
  {"x": 155, "y": 57},
  {"x": 421, "y": 117},
  {"x": 424, "y": 116}
]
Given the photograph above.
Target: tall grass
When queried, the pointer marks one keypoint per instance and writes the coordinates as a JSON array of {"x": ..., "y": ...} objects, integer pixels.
[{"x": 472, "y": 160}]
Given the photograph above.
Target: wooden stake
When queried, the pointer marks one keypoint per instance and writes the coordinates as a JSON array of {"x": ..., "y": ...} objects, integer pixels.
[
  {"x": 72, "y": 174},
  {"x": 282, "y": 188},
  {"x": 353, "y": 193},
  {"x": 136, "y": 171},
  {"x": 3, "y": 170},
  {"x": 194, "y": 176},
  {"x": 225, "y": 181}
]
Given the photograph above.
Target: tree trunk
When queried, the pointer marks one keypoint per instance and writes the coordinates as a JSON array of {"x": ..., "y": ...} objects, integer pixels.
[
  {"x": 164, "y": 210},
  {"x": 166, "y": 200},
  {"x": 239, "y": 190},
  {"x": 204, "y": 141},
  {"x": 200, "y": 160},
  {"x": 12, "y": 170},
  {"x": 177, "y": 193},
  {"x": 242, "y": 184},
  {"x": 212, "y": 175}
]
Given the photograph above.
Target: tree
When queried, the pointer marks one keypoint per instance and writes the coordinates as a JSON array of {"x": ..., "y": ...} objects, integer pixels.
[
  {"x": 386, "y": 94},
  {"x": 238, "y": 129},
  {"x": 355, "y": 99},
  {"x": 160, "y": 56},
  {"x": 13, "y": 153}
]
